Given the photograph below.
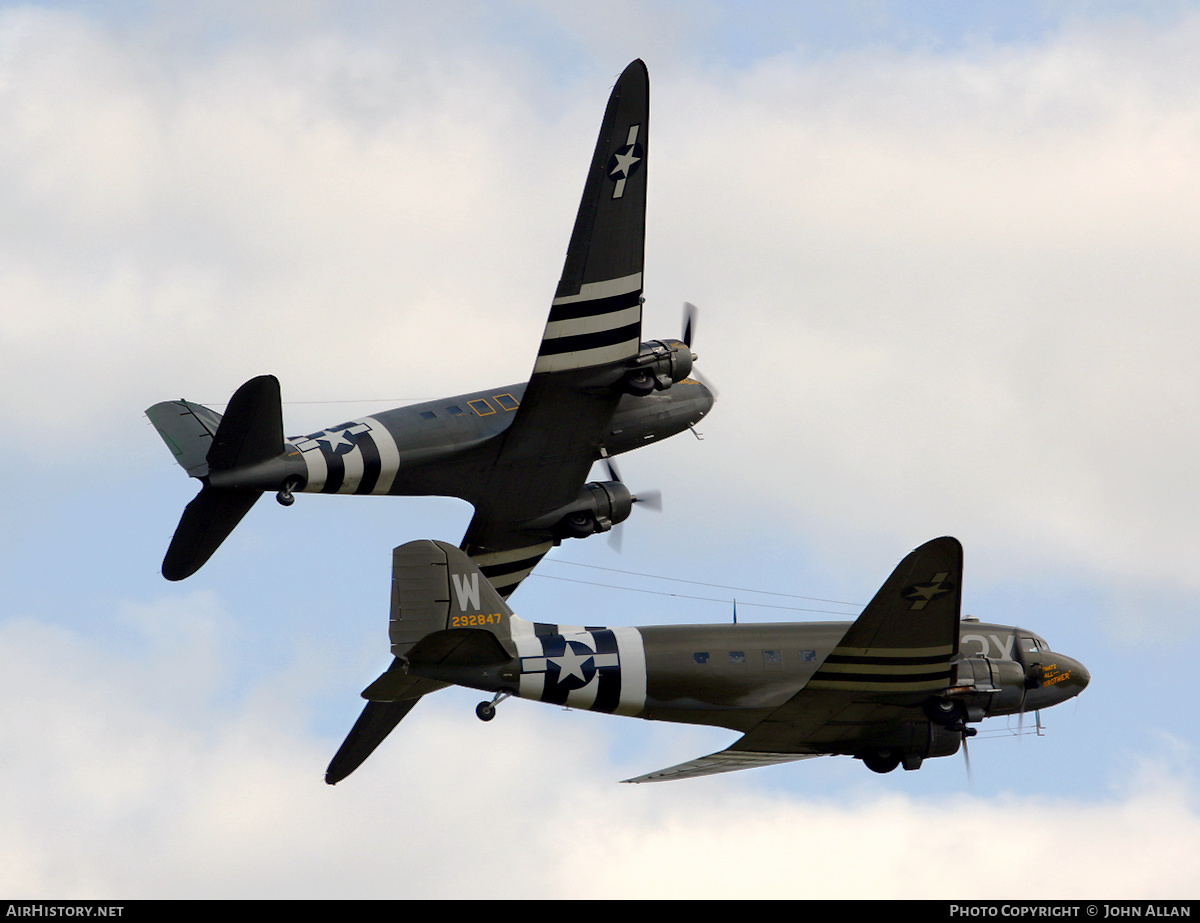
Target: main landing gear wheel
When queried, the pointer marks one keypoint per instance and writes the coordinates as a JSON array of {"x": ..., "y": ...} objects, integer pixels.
[
  {"x": 580, "y": 524},
  {"x": 639, "y": 382},
  {"x": 881, "y": 760},
  {"x": 946, "y": 712}
]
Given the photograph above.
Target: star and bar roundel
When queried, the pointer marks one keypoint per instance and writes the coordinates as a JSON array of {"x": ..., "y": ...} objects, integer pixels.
[
  {"x": 599, "y": 669},
  {"x": 625, "y": 161},
  {"x": 359, "y": 457}
]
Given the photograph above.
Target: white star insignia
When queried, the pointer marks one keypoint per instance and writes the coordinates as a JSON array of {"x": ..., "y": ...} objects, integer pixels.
[
  {"x": 625, "y": 161},
  {"x": 570, "y": 663}
]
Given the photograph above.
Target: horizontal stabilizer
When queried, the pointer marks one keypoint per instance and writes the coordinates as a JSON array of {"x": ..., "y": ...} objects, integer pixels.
[
  {"x": 398, "y": 683},
  {"x": 250, "y": 433},
  {"x": 725, "y": 761},
  {"x": 373, "y": 725},
  {"x": 466, "y": 647},
  {"x": 188, "y": 431},
  {"x": 206, "y": 522}
]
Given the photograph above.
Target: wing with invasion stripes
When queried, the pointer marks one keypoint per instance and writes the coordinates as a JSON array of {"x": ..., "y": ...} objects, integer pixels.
[
  {"x": 869, "y": 690},
  {"x": 594, "y": 328}
]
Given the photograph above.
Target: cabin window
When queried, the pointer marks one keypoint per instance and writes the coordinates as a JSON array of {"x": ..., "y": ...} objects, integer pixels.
[
  {"x": 772, "y": 657},
  {"x": 455, "y": 409},
  {"x": 481, "y": 407},
  {"x": 701, "y": 657},
  {"x": 427, "y": 414},
  {"x": 737, "y": 656},
  {"x": 506, "y": 401}
]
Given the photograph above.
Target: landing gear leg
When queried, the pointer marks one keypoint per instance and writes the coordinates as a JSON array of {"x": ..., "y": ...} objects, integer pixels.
[{"x": 486, "y": 711}]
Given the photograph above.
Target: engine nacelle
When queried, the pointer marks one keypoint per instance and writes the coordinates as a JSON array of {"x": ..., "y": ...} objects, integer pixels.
[
  {"x": 920, "y": 741},
  {"x": 657, "y": 366},
  {"x": 989, "y": 686},
  {"x": 599, "y": 507}
]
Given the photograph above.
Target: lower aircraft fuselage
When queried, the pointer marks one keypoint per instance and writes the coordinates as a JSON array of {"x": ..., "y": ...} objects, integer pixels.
[{"x": 733, "y": 676}]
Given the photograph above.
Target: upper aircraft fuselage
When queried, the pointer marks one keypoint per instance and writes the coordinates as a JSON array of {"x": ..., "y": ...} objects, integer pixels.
[{"x": 439, "y": 447}]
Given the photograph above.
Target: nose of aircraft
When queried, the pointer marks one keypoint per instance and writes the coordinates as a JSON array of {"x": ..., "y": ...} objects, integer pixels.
[{"x": 1062, "y": 678}]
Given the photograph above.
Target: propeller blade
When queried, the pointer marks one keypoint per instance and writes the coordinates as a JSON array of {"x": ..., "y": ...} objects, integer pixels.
[
  {"x": 651, "y": 498},
  {"x": 613, "y": 473},
  {"x": 689, "y": 323}
]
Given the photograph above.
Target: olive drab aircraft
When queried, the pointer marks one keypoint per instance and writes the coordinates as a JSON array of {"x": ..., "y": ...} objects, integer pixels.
[
  {"x": 520, "y": 454},
  {"x": 897, "y": 686}
]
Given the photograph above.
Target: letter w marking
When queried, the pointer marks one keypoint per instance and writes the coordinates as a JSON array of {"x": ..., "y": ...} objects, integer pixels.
[{"x": 467, "y": 590}]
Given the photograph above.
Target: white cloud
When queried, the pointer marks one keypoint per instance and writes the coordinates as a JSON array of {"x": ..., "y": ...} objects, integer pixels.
[
  {"x": 952, "y": 293},
  {"x": 940, "y": 294},
  {"x": 117, "y": 783}
]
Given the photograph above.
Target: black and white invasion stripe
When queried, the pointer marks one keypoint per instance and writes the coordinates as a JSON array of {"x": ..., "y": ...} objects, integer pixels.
[
  {"x": 359, "y": 457},
  {"x": 874, "y": 669},
  {"x": 601, "y": 324},
  {"x": 506, "y": 569}
]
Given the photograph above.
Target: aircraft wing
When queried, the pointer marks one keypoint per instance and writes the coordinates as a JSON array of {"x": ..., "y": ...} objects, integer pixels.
[
  {"x": 725, "y": 761},
  {"x": 594, "y": 327},
  {"x": 870, "y": 688}
]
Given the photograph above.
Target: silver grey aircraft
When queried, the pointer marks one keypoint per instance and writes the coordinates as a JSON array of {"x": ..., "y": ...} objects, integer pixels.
[
  {"x": 520, "y": 454},
  {"x": 900, "y": 684}
]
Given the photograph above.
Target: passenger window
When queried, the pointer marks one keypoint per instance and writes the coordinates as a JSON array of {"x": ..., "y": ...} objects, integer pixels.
[
  {"x": 482, "y": 407},
  {"x": 506, "y": 401}
]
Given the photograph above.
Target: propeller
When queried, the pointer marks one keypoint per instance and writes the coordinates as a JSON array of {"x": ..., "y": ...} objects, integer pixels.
[
  {"x": 652, "y": 499},
  {"x": 689, "y": 322},
  {"x": 690, "y": 315}
]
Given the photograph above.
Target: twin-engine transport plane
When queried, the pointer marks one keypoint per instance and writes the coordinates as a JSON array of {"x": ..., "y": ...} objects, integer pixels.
[
  {"x": 896, "y": 686},
  {"x": 520, "y": 454}
]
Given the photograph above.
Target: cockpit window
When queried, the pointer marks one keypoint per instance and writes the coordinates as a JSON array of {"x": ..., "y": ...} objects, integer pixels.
[{"x": 1032, "y": 645}]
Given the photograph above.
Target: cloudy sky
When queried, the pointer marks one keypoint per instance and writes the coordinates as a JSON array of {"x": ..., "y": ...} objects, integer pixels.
[{"x": 944, "y": 255}]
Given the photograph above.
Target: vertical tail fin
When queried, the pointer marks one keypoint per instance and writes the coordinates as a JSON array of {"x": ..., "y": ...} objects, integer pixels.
[{"x": 435, "y": 586}]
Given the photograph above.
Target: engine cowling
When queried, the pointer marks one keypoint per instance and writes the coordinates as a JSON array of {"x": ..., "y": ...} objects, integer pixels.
[
  {"x": 599, "y": 506},
  {"x": 657, "y": 366},
  {"x": 989, "y": 686}
]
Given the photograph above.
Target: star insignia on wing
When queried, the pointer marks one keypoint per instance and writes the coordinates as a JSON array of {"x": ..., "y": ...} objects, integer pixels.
[{"x": 920, "y": 594}]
